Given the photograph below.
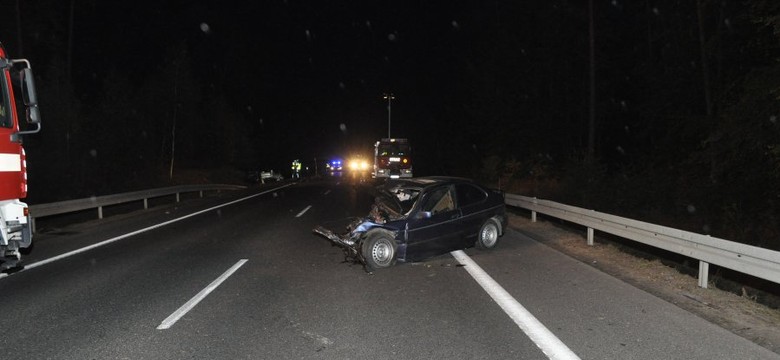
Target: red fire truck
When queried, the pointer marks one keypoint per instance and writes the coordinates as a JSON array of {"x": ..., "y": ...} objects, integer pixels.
[
  {"x": 15, "y": 232},
  {"x": 392, "y": 159}
]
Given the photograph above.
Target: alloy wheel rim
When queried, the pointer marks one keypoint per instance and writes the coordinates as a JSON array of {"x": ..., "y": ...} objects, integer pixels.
[{"x": 489, "y": 235}]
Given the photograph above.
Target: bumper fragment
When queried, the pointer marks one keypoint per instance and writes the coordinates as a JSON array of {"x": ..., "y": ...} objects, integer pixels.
[{"x": 345, "y": 242}]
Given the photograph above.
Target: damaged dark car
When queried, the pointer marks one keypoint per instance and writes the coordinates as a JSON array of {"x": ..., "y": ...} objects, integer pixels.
[{"x": 417, "y": 218}]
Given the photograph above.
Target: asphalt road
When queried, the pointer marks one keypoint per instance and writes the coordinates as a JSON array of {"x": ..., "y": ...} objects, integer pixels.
[{"x": 286, "y": 294}]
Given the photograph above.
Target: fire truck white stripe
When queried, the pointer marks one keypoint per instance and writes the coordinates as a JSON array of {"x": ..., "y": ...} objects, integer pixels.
[{"x": 10, "y": 163}]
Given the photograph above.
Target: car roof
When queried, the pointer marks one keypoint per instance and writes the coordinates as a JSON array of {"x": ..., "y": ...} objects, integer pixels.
[{"x": 427, "y": 181}]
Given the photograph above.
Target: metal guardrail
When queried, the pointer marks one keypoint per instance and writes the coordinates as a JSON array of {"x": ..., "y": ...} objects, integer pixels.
[
  {"x": 751, "y": 260},
  {"x": 98, "y": 202}
]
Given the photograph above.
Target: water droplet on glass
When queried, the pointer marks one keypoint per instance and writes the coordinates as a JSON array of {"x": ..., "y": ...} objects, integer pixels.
[
  {"x": 205, "y": 28},
  {"x": 691, "y": 209}
]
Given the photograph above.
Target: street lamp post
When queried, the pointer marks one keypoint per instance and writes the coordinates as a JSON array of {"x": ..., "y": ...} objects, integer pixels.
[{"x": 389, "y": 98}]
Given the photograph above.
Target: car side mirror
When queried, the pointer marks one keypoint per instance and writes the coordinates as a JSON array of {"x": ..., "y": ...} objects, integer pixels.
[{"x": 30, "y": 99}]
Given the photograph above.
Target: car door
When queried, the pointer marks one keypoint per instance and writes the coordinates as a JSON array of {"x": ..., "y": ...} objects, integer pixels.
[
  {"x": 433, "y": 228},
  {"x": 472, "y": 203}
]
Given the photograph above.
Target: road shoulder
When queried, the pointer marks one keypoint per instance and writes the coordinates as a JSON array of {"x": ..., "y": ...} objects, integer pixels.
[{"x": 738, "y": 314}]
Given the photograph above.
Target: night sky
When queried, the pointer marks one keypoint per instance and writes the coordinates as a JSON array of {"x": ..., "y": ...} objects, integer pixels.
[
  {"x": 479, "y": 86},
  {"x": 301, "y": 68},
  {"x": 308, "y": 77}
]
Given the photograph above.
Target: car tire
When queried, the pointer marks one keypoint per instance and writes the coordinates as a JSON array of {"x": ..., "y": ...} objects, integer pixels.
[
  {"x": 378, "y": 250},
  {"x": 487, "y": 238}
]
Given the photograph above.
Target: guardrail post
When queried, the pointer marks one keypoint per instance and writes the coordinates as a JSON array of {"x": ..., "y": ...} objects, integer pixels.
[
  {"x": 201, "y": 193},
  {"x": 533, "y": 216},
  {"x": 590, "y": 236},
  {"x": 100, "y": 212},
  {"x": 32, "y": 224},
  {"x": 177, "y": 197},
  {"x": 146, "y": 204},
  {"x": 704, "y": 273}
]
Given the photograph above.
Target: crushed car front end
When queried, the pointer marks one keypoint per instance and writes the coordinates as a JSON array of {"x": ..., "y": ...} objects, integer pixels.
[
  {"x": 376, "y": 240},
  {"x": 354, "y": 240}
]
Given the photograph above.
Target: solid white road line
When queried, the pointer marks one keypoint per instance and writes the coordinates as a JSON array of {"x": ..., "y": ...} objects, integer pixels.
[
  {"x": 303, "y": 211},
  {"x": 120, "y": 237},
  {"x": 184, "y": 309},
  {"x": 550, "y": 345}
]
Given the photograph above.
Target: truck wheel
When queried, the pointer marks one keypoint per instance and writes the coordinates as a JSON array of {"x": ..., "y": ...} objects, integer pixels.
[
  {"x": 27, "y": 250},
  {"x": 488, "y": 235},
  {"x": 379, "y": 250}
]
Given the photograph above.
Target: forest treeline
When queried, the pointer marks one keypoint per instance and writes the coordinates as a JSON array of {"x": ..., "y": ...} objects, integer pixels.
[
  {"x": 684, "y": 99},
  {"x": 687, "y": 103}
]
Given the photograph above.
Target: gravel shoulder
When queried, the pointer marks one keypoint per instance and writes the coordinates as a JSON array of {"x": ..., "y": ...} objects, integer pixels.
[{"x": 738, "y": 314}]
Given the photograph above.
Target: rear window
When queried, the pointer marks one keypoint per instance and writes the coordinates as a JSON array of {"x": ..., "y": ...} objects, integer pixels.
[{"x": 469, "y": 194}]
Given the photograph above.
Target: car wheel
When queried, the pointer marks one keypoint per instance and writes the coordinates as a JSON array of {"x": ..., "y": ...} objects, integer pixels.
[
  {"x": 488, "y": 235},
  {"x": 379, "y": 250}
]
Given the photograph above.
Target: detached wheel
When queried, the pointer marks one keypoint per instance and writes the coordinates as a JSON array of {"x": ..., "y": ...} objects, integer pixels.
[
  {"x": 379, "y": 250},
  {"x": 488, "y": 235}
]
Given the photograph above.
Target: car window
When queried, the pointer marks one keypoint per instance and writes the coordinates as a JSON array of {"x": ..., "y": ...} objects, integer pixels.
[
  {"x": 469, "y": 194},
  {"x": 439, "y": 200}
]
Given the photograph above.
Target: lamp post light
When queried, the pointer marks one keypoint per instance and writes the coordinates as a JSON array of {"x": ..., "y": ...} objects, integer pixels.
[{"x": 389, "y": 98}]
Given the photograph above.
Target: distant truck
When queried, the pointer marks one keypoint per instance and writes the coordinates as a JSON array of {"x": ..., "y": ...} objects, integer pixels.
[
  {"x": 392, "y": 159},
  {"x": 15, "y": 229}
]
